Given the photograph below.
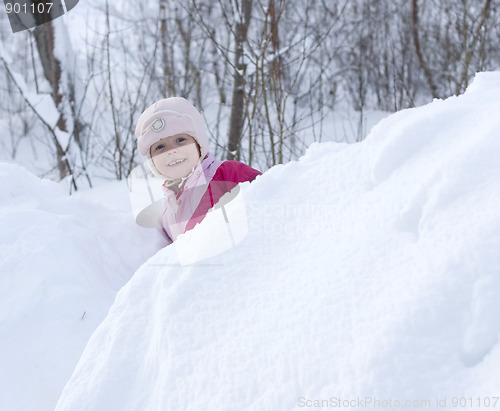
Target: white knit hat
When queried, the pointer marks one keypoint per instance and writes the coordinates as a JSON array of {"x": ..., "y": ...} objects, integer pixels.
[{"x": 169, "y": 117}]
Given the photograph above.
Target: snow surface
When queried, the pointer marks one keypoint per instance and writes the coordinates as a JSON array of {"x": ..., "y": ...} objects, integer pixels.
[
  {"x": 368, "y": 270},
  {"x": 365, "y": 270},
  {"x": 62, "y": 261}
]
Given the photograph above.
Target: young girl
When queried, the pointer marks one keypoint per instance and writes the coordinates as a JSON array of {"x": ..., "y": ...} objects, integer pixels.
[{"x": 171, "y": 135}]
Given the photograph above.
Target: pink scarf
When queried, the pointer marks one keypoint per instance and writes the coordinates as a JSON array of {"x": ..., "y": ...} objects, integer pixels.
[{"x": 183, "y": 197}]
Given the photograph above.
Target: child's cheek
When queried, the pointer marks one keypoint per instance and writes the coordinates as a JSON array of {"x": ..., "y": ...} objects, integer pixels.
[{"x": 159, "y": 158}]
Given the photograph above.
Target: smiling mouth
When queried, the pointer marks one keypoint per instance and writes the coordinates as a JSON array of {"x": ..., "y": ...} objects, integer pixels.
[{"x": 174, "y": 163}]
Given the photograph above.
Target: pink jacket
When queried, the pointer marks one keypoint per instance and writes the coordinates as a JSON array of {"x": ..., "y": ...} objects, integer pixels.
[{"x": 201, "y": 191}]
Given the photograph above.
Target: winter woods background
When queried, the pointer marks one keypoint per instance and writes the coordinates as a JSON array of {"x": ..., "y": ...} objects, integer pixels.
[{"x": 266, "y": 73}]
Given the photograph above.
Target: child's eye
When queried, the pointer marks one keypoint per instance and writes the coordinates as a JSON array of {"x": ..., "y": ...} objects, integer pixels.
[
  {"x": 159, "y": 147},
  {"x": 181, "y": 139}
]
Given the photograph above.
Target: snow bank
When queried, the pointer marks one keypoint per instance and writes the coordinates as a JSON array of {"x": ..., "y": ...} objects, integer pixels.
[
  {"x": 370, "y": 271},
  {"x": 62, "y": 260}
]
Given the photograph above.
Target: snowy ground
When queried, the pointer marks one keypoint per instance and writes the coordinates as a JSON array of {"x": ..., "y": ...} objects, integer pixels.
[
  {"x": 62, "y": 260},
  {"x": 369, "y": 271},
  {"x": 365, "y": 272}
]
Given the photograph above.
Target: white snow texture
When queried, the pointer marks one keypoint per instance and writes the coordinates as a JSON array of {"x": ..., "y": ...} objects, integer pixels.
[
  {"x": 369, "y": 270},
  {"x": 62, "y": 261}
]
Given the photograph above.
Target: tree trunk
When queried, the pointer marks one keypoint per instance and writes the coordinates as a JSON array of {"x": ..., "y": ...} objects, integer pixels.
[
  {"x": 420, "y": 56},
  {"x": 238, "y": 102},
  {"x": 168, "y": 75},
  {"x": 45, "y": 41}
]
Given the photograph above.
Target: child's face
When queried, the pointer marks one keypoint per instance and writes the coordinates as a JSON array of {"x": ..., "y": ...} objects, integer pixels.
[{"x": 175, "y": 156}]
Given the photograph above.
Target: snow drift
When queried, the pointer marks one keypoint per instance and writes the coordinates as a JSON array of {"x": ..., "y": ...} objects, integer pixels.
[
  {"x": 369, "y": 270},
  {"x": 62, "y": 261}
]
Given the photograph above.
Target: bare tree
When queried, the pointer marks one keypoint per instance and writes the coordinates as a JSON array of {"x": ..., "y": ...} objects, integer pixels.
[
  {"x": 418, "y": 50},
  {"x": 267, "y": 72},
  {"x": 235, "y": 131}
]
